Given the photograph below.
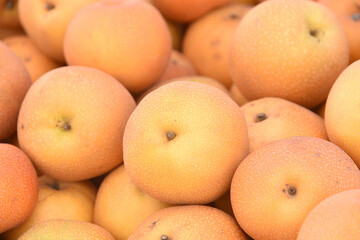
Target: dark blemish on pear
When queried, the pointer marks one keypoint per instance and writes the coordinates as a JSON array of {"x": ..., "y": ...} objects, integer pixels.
[
  {"x": 215, "y": 42},
  {"x": 22, "y": 126},
  {"x": 173, "y": 61},
  {"x": 153, "y": 224},
  {"x": 234, "y": 16}
]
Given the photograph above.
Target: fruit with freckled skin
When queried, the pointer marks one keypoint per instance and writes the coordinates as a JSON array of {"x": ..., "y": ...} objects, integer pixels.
[
  {"x": 336, "y": 217},
  {"x": 18, "y": 187},
  {"x": 14, "y": 84},
  {"x": 133, "y": 38},
  {"x": 172, "y": 149},
  {"x": 61, "y": 229},
  {"x": 189, "y": 223},
  {"x": 207, "y": 41},
  {"x": 185, "y": 11},
  {"x": 36, "y": 62},
  {"x": 289, "y": 49},
  {"x": 198, "y": 79},
  {"x": 45, "y": 22},
  {"x": 71, "y": 123},
  {"x": 269, "y": 119},
  {"x": 277, "y": 185},
  {"x": 121, "y": 206},
  {"x": 59, "y": 200},
  {"x": 342, "y": 114}
]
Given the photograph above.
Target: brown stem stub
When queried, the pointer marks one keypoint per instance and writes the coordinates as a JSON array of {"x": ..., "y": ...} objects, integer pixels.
[
  {"x": 164, "y": 237},
  {"x": 170, "y": 135},
  {"x": 260, "y": 117},
  {"x": 290, "y": 190},
  {"x": 314, "y": 32},
  {"x": 356, "y": 17},
  {"x": 49, "y": 6},
  {"x": 64, "y": 125},
  {"x": 55, "y": 185},
  {"x": 9, "y": 4}
]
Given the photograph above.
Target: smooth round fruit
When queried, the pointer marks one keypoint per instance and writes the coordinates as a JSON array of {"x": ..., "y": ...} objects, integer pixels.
[
  {"x": 128, "y": 39},
  {"x": 172, "y": 146},
  {"x": 121, "y": 206},
  {"x": 14, "y": 83},
  {"x": 59, "y": 200},
  {"x": 336, "y": 217},
  {"x": 189, "y": 223},
  {"x": 61, "y": 229},
  {"x": 269, "y": 119},
  {"x": 35, "y": 61},
  {"x": 276, "y": 186},
  {"x": 342, "y": 112},
  {"x": 186, "y": 10},
  {"x": 207, "y": 41},
  {"x": 46, "y": 21},
  {"x": 198, "y": 79},
  {"x": 72, "y": 121},
  {"x": 18, "y": 187},
  {"x": 289, "y": 49}
]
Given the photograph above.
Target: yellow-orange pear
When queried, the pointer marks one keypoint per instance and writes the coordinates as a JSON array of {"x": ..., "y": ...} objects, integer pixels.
[{"x": 183, "y": 143}]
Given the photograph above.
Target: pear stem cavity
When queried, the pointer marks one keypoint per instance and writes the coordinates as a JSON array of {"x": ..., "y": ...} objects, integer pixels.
[
  {"x": 260, "y": 117},
  {"x": 314, "y": 32},
  {"x": 290, "y": 190},
  {"x": 356, "y": 17},
  {"x": 49, "y": 6},
  {"x": 9, "y": 4},
  {"x": 55, "y": 185},
  {"x": 170, "y": 135},
  {"x": 64, "y": 125},
  {"x": 164, "y": 237}
]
